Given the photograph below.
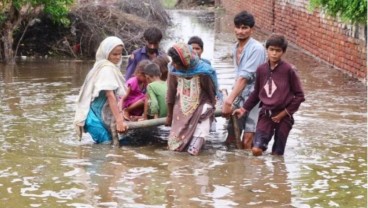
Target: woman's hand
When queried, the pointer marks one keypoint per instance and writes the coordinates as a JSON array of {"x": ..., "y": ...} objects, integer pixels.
[
  {"x": 168, "y": 120},
  {"x": 239, "y": 112},
  {"x": 121, "y": 126}
]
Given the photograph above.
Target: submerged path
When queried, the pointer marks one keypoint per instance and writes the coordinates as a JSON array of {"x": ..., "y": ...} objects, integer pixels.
[{"x": 43, "y": 164}]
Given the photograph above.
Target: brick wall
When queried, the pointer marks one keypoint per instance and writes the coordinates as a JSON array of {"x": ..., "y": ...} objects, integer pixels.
[{"x": 341, "y": 45}]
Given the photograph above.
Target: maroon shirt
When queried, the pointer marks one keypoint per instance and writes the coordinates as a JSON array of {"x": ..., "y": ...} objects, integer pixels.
[{"x": 277, "y": 89}]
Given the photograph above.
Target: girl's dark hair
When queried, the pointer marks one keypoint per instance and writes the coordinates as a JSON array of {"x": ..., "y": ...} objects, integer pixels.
[
  {"x": 162, "y": 61},
  {"x": 277, "y": 40},
  {"x": 244, "y": 18},
  {"x": 196, "y": 40},
  {"x": 175, "y": 56},
  {"x": 152, "y": 70},
  {"x": 152, "y": 35},
  {"x": 140, "y": 66}
]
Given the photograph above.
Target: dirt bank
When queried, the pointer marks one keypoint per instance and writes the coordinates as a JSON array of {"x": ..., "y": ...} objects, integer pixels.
[{"x": 90, "y": 23}]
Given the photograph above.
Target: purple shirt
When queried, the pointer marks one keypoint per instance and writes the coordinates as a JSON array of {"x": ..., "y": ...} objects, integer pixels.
[
  {"x": 137, "y": 56},
  {"x": 277, "y": 89}
]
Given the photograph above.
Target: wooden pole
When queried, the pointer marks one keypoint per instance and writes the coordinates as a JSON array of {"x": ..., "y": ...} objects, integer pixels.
[
  {"x": 156, "y": 122},
  {"x": 162, "y": 121},
  {"x": 237, "y": 131}
]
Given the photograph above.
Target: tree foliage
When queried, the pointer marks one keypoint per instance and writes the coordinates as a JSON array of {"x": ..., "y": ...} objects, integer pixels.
[
  {"x": 58, "y": 9},
  {"x": 15, "y": 13},
  {"x": 354, "y": 11}
]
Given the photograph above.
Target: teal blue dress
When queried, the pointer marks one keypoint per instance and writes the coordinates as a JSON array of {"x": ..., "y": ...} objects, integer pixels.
[{"x": 95, "y": 125}]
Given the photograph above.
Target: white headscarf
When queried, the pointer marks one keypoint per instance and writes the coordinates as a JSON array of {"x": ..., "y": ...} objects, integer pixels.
[{"x": 104, "y": 75}]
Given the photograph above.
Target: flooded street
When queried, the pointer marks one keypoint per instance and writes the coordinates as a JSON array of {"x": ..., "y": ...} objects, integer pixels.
[{"x": 42, "y": 164}]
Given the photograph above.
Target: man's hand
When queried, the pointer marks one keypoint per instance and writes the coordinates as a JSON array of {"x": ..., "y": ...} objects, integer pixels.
[
  {"x": 239, "y": 112},
  {"x": 227, "y": 108}
]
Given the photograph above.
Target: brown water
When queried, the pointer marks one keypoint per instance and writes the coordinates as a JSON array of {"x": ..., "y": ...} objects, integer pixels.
[{"x": 43, "y": 165}]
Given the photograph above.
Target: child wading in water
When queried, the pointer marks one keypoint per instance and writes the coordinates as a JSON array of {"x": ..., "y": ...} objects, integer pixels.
[
  {"x": 133, "y": 100},
  {"x": 155, "y": 105},
  {"x": 279, "y": 89}
]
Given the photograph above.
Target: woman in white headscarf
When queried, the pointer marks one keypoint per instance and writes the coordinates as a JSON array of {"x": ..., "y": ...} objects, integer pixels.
[{"x": 97, "y": 107}]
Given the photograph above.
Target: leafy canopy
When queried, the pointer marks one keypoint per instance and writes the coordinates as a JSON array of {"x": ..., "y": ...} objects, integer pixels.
[
  {"x": 354, "y": 11},
  {"x": 58, "y": 9}
]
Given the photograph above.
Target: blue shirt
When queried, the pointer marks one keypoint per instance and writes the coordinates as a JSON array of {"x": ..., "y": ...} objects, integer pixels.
[
  {"x": 137, "y": 56},
  {"x": 252, "y": 56}
]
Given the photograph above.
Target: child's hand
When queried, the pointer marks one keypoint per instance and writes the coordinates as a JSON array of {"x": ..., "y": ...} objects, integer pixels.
[
  {"x": 239, "y": 112},
  {"x": 279, "y": 116}
]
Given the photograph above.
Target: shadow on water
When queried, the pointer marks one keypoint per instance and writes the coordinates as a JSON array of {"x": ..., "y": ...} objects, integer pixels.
[{"x": 43, "y": 165}]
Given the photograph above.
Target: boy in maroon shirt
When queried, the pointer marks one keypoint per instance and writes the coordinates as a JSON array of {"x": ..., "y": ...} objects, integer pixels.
[{"x": 278, "y": 88}]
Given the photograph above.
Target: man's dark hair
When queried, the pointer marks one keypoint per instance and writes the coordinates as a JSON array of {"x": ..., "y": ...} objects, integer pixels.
[
  {"x": 152, "y": 70},
  {"x": 277, "y": 40},
  {"x": 175, "y": 56},
  {"x": 152, "y": 35},
  {"x": 196, "y": 40},
  {"x": 244, "y": 18}
]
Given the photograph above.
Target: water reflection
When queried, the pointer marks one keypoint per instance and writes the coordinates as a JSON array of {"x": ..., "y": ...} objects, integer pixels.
[{"x": 43, "y": 165}]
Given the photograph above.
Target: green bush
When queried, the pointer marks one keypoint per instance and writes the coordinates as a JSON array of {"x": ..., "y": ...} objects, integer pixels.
[{"x": 354, "y": 11}]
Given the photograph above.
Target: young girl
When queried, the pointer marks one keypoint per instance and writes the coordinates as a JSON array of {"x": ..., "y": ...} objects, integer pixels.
[
  {"x": 155, "y": 105},
  {"x": 133, "y": 100},
  {"x": 97, "y": 110}
]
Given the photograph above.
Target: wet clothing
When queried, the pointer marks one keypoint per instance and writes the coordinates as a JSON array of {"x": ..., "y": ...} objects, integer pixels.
[
  {"x": 266, "y": 129},
  {"x": 277, "y": 90},
  {"x": 96, "y": 124},
  {"x": 93, "y": 114},
  {"x": 251, "y": 57},
  {"x": 192, "y": 94},
  {"x": 189, "y": 98},
  {"x": 157, "y": 98},
  {"x": 137, "y": 56},
  {"x": 136, "y": 94}
]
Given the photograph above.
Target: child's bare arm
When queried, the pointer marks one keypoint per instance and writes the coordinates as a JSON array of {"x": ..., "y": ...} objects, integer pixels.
[{"x": 145, "y": 112}]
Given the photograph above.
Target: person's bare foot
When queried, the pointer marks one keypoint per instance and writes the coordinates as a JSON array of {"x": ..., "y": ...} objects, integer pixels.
[
  {"x": 126, "y": 115},
  {"x": 135, "y": 118},
  {"x": 257, "y": 151}
]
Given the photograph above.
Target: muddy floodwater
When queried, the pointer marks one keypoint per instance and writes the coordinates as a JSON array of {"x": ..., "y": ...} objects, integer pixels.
[{"x": 42, "y": 164}]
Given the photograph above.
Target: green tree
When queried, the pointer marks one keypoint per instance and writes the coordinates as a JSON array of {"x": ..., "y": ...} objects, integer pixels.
[
  {"x": 354, "y": 11},
  {"x": 14, "y": 13}
]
